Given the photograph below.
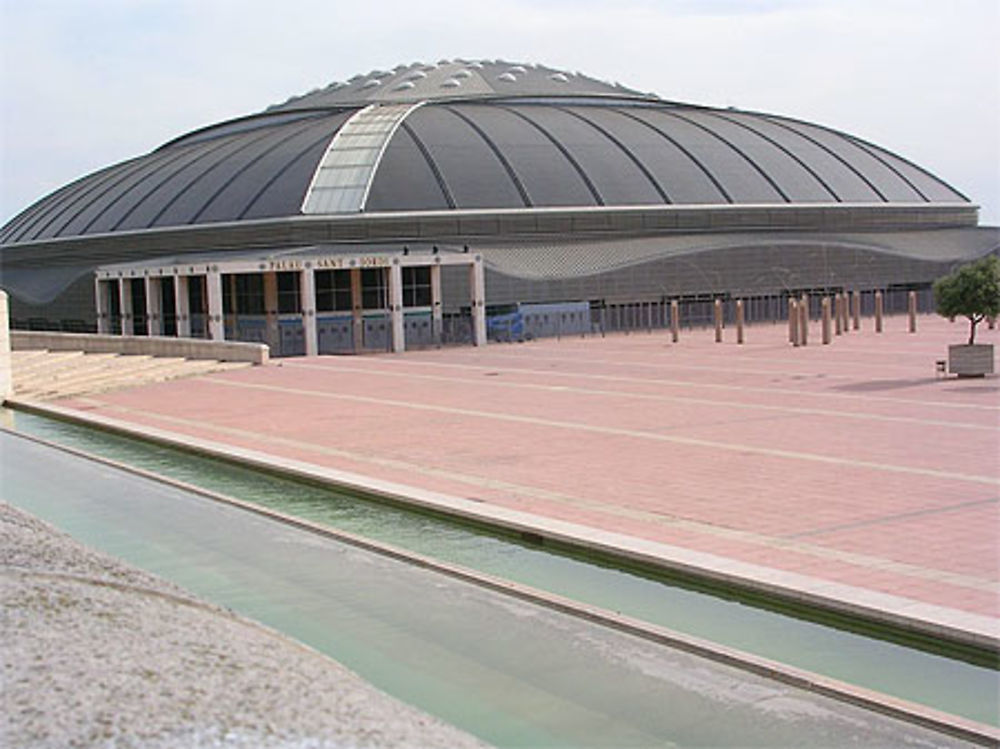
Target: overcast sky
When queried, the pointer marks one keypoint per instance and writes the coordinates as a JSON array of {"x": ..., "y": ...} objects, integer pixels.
[{"x": 86, "y": 83}]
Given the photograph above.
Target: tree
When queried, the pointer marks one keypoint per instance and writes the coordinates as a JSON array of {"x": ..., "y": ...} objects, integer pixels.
[{"x": 972, "y": 291}]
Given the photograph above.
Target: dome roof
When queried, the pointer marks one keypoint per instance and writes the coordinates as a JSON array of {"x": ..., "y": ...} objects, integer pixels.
[{"x": 475, "y": 135}]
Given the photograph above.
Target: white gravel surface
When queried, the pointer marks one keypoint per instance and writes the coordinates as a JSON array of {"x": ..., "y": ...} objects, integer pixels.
[{"x": 99, "y": 654}]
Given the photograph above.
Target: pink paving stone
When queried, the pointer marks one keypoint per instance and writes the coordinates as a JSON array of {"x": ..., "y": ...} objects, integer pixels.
[{"x": 586, "y": 430}]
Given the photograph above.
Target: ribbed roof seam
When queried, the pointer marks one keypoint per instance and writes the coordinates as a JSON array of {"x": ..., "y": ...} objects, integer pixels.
[
  {"x": 80, "y": 189},
  {"x": 508, "y": 167},
  {"x": 872, "y": 152},
  {"x": 563, "y": 150},
  {"x": 235, "y": 175},
  {"x": 624, "y": 149},
  {"x": 781, "y": 147},
  {"x": 199, "y": 177},
  {"x": 694, "y": 159},
  {"x": 435, "y": 170},
  {"x": 31, "y": 213},
  {"x": 278, "y": 174},
  {"x": 784, "y": 122},
  {"x": 754, "y": 165},
  {"x": 185, "y": 152}
]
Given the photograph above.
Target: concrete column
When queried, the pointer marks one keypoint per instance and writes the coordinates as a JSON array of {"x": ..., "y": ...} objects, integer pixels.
[
  {"x": 477, "y": 284},
  {"x": 154, "y": 306},
  {"x": 838, "y": 313},
  {"x": 675, "y": 320},
  {"x": 717, "y": 313},
  {"x": 878, "y": 311},
  {"x": 182, "y": 304},
  {"x": 307, "y": 302},
  {"x": 844, "y": 322},
  {"x": 856, "y": 310},
  {"x": 803, "y": 307},
  {"x": 793, "y": 321},
  {"x": 125, "y": 304},
  {"x": 213, "y": 288},
  {"x": 437, "y": 317},
  {"x": 911, "y": 308},
  {"x": 6, "y": 376},
  {"x": 826, "y": 320},
  {"x": 396, "y": 307},
  {"x": 739, "y": 321},
  {"x": 272, "y": 336},
  {"x": 357, "y": 317},
  {"x": 101, "y": 306}
]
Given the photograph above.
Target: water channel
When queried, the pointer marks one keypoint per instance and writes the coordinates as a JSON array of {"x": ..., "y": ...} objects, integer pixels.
[{"x": 954, "y": 686}]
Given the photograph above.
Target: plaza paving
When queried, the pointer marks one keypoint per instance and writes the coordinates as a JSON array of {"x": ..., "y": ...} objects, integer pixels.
[{"x": 851, "y": 463}]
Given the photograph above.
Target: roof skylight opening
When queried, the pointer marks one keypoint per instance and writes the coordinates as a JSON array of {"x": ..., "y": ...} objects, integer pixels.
[
  {"x": 372, "y": 83},
  {"x": 475, "y": 64},
  {"x": 463, "y": 73},
  {"x": 405, "y": 85},
  {"x": 451, "y": 83},
  {"x": 517, "y": 69},
  {"x": 509, "y": 77},
  {"x": 558, "y": 77},
  {"x": 416, "y": 75}
]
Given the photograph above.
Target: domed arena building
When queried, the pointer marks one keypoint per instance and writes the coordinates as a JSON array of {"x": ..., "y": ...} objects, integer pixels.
[{"x": 453, "y": 201}]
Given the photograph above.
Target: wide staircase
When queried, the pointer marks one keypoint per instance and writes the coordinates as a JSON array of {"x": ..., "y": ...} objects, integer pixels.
[{"x": 49, "y": 375}]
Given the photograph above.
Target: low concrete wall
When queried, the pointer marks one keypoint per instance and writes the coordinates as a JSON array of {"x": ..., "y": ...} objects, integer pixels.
[
  {"x": 6, "y": 377},
  {"x": 188, "y": 348}
]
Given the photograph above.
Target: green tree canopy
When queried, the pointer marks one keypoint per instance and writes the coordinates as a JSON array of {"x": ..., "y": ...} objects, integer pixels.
[{"x": 972, "y": 291}]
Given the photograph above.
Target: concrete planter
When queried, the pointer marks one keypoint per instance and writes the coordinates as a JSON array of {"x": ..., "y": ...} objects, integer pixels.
[{"x": 974, "y": 360}]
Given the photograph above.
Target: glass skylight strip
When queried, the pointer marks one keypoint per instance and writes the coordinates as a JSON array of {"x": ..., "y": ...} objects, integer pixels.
[{"x": 344, "y": 175}]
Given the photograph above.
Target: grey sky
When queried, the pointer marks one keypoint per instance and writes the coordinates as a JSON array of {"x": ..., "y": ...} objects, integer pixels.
[{"x": 86, "y": 83}]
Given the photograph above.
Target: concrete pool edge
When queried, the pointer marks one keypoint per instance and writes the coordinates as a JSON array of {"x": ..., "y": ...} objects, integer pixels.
[
  {"x": 963, "y": 628},
  {"x": 898, "y": 708}
]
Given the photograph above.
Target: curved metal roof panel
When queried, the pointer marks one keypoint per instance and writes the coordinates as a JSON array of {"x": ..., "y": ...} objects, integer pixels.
[{"x": 470, "y": 134}]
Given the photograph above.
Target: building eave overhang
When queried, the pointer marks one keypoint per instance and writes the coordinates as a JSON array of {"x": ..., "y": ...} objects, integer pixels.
[{"x": 492, "y": 225}]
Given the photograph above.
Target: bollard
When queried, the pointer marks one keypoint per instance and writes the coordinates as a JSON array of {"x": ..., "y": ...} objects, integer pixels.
[
  {"x": 878, "y": 311},
  {"x": 718, "y": 320},
  {"x": 911, "y": 308},
  {"x": 793, "y": 322},
  {"x": 675, "y": 320},
  {"x": 838, "y": 311},
  {"x": 804, "y": 320},
  {"x": 844, "y": 323},
  {"x": 739, "y": 321},
  {"x": 856, "y": 309},
  {"x": 991, "y": 323},
  {"x": 826, "y": 320}
]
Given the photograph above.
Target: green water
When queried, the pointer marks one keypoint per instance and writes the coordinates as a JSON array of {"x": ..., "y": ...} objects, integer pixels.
[
  {"x": 946, "y": 684},
  {"x": 510, "y": 672}
]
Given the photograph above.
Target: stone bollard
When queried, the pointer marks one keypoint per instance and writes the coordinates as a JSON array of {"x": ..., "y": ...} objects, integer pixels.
[
  {"x": 826, "y": 320},
  {"x": 6, "y": 377},
  {"x": 793, "y": 322},
  {"x": 675, "y": 321},
  {"x": 878, "y": 311},
  {"x": 911, "y": 308},
  {"x": 718, "y": 320},
  {"x": 838, "y": 311},
  {"x": 739, "y": 321},
  {"x": 804, "y": 320},
  {"x": 856, "y": 310}
]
